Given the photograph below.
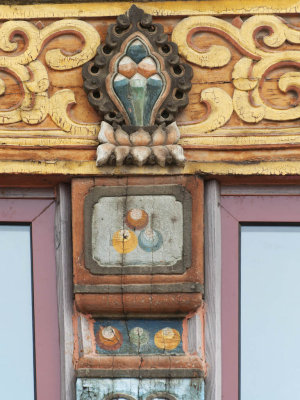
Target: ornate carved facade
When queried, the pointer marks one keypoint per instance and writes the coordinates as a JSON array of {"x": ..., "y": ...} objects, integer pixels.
[{"x": 136, "y": 108}]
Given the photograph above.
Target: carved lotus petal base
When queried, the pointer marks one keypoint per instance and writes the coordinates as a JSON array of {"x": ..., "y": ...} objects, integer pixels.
[{"x": 117, "y": 147}]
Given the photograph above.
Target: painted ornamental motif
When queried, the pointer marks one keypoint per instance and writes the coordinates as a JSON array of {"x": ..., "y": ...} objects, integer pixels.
[{"x": 139, "y": 84}]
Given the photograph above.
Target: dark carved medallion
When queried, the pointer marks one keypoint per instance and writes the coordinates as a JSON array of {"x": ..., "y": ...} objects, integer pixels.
[{"x": 138, "y": 83}]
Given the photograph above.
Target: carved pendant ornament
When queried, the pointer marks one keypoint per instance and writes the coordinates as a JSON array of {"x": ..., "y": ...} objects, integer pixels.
[{"x": 138, "y": 83}]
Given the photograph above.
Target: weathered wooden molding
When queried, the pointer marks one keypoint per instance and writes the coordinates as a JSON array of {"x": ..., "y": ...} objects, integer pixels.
[
  {"x": 192, "y": 287},
  {"x": 212, "y": 295},
  {"x": 27, "y": 193},
  {"x": 244, "y": 110},
  {"x": 169, "y": 8},
  {"x": 141, "y": 389},
  {"x": 255, "y": 166},
  {"x": 63, "y": 244},
  {"x": 152, "y": 373},
  {"x": 264, "y": 190}
]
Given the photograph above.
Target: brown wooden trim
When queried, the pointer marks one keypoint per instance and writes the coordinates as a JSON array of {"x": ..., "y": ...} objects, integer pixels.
[{"x": 64, "y": 276}]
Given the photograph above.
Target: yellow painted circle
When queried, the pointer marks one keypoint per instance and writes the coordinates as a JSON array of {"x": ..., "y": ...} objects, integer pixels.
[
  {"x": 167, "y": 339},
  {"x": 124, "y": 241}
]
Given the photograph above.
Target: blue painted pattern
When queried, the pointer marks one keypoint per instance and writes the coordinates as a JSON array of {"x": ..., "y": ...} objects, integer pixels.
[
  {"x": 138, "y": 82},
  {"x": 139, "y": 336}
]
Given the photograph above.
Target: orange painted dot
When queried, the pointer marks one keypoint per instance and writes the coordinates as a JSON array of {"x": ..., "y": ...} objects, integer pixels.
[
  {"x": 109, "y": 338},
  {"x": 167, "y": 339},
  {"x": 124, "y": 241},
  {"x": 136, "y": 218}
]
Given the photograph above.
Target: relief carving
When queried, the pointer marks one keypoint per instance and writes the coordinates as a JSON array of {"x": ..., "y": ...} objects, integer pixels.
[
  {"x": 31, "y": 74},
  {"x": 138, "y": 83},
  {"x": 246, "y": 80},
  {"x": 259, "y": 59}
]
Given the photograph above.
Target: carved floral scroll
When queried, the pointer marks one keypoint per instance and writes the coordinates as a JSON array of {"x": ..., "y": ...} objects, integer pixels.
[
  {"x": 259, "y": 58},
  {"x": 246, "y": 80},
  {"x": 31, "y": 74}
]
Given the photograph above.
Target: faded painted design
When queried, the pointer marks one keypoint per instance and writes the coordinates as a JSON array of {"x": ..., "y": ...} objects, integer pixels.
[
  {"x": 139, "y": 336},
  {"x": 249, "y": 73},
  {"x": 138, "y": 82},
  {"x": 141, "y": 230},
  {"x": 140, "y": 389}
]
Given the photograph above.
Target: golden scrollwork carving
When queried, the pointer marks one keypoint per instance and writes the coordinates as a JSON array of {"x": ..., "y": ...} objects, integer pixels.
[
  {"x": 259, "y": 58},
  {"x": 32, "y": 74},
  {"x": 220, "y": 108}
]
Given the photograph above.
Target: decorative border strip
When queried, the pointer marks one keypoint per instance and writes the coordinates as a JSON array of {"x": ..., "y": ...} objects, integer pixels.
[
  {"x": 261, "y": 138},
  {"x": 84, "y": 168},
  {"x": 130, "y": 373},
  {"x": 192, "y": 287},
  {"x": 168, "y": 8}
]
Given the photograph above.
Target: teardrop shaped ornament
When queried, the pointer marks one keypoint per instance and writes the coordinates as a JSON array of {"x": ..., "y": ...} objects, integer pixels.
[{"x": 138, "y": 82}]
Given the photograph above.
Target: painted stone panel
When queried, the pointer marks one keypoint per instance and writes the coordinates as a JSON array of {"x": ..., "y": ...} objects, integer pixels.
[
  {"x": 138, "y": 230},
  {"x": 140, "y": 389},
  {"x": 142, "y": 230},
  {"x": 139, "y": 336}
]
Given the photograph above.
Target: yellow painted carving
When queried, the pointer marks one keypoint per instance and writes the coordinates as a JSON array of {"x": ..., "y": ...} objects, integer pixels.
[
  {"x": 58, "y": 106},
  {"x": 244, "y": 109},
  {"x": 40, "y": 81},
  {"x": 221, "y": 108},
  {"x": 55, "y": 58},
  {"x": 249, "y": 71},
  {"x": 215, "y": 56},
  {"x": 240, "y": 75},
  {"x": 33, "y": 76}
]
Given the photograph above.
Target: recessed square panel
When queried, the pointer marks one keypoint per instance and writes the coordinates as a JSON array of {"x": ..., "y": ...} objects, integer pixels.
[
  {"x": 142, "y": 230},
  {"x": 138, "y": 230}
]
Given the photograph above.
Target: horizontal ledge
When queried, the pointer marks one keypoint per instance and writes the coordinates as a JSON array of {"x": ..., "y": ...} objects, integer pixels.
[
  {"x": 27, "y": 193},
  {"x": 272, "y": 190},
  {"x": 189, "y": 287},
  {"x": 140, "y": 373},
  {"x": 166, "y": 8},
  {"x": 83, "y": 168}
]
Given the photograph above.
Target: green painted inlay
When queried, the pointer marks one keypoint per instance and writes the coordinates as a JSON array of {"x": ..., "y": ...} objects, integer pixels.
[{"x": 138, "y": 85}]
